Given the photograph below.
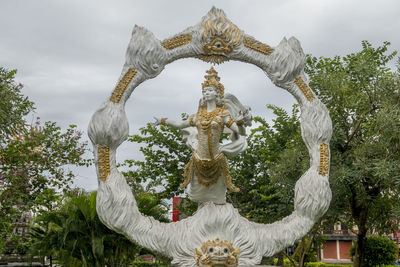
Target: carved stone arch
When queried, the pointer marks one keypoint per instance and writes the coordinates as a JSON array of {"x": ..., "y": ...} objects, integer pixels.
[{"x": 216, "y": 40}]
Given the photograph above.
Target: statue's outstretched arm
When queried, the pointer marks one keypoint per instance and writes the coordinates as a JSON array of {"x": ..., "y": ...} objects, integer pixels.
[{"x": 168, "y": 122}]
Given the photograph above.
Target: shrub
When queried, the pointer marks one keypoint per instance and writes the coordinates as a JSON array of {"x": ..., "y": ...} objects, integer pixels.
[
  {"x": 379, "y": 251},
  {"x": 144, "y": 264},
  {"x": 321, "y": 264}
]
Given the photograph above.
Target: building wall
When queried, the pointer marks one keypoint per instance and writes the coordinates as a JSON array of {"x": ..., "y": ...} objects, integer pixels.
[
  {"x": 345, "y": 249},
  {"x": 330, "y": 251}
]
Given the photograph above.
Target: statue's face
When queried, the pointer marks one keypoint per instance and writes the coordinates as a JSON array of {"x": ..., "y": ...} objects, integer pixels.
[
  {"x": 218, "y": 254},
  {"x": 210, "y": 93}
]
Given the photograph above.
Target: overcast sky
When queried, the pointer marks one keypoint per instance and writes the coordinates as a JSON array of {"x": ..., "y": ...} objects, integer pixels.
[{"x": 69, "y": 54}]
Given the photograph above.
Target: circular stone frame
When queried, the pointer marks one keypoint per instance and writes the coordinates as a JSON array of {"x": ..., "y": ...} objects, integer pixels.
[{"x": 216, "y": 40}]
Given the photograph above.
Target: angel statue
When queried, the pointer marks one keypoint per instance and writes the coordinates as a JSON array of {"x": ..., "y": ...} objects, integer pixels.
[{"x": 207, "y": 175}]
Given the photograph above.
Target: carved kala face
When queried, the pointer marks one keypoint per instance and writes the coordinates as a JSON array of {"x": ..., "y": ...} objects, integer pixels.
[
  {"x": 217, "y": 253},
  {"x": 210, "y": 93}
]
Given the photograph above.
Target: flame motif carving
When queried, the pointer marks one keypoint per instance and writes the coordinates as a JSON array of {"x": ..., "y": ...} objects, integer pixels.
[{"x": 219, "y": 36}]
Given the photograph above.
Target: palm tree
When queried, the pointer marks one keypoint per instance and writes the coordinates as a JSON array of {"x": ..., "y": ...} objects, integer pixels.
[{"x": 76, "y": 237}]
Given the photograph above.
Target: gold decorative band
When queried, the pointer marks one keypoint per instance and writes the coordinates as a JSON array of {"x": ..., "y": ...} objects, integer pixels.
[
  {"x": 258, "y": 46},
  {"x": 324, "y": 159},
  {"x": 304, "y": 88},
  {"x": 191, "y": 120},
  {"x": 177, "y": 41},
  {"x": 103, "y": 153},
  {"x": 122, "y": 85},
  {"x": 230, "y": 122},
  {"x": 163, "y": 121}
]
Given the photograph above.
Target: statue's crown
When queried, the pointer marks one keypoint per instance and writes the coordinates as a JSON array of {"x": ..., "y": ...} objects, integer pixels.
[{"x": 212, "y": 79}]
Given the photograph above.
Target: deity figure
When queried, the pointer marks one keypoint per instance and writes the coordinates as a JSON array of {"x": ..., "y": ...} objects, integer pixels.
[{"x": 207, "y": 175}]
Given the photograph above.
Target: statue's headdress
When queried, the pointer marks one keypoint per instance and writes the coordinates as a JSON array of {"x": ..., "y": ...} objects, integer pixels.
[{"x": 212, "y": 79}]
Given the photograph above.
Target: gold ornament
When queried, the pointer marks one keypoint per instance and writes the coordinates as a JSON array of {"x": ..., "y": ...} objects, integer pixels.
[
  {"x": 218, "y": 45},
  {"x": 208, "y": 171},
  {"x": 219, "y": 36},
  {"x": 304, "y": 88},
  {"x": 163, "y": 121},
  {"x": 191, "y": 121},
  {"x": 230, "y": 122},
  {"x": 212, "y": 79},
  {"x": 217, "y": 253},
  {"x": 207, "y": 117},
  {"x": 258, "y": 46},
  {"x": 324, "y": 159},
  {"x": 240, "y": 123},
  {"x": 177, "y": 41},
  {"x": 103, "y": 153},
  {"x": 122, "y": 85},
  {"x": 214, "y": 59}
]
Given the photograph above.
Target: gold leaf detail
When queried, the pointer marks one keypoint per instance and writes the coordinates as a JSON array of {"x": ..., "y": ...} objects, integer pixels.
[
  {"x": 104, "y": 161},
  {"x": 213, "y": 59},
  {"x": 208, "y": 172},
  {"x": 304, "y": 88},
  {"x": 324, "y": 159},
  {"x": 258, "y": 46},
  {"x": 177, "y": 41},
  {"x": 122, "y": 85},
  {"x": 219, "y": 36}
]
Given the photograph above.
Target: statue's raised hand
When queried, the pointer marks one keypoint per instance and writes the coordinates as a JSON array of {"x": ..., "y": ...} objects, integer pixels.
[{"x": 157, "y": 121}]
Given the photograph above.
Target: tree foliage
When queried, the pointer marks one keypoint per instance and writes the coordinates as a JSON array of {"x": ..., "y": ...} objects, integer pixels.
[
  {"x": 266, "y": 186},
  {"x": 75, "y": 235},
  {"x": 13, "y": 106},
  {"x": 378, "y": 251},
  {"x": 363, "y": 97},
  {"x": 165, "y": 155},
  {"x": 33, "y": 158}
]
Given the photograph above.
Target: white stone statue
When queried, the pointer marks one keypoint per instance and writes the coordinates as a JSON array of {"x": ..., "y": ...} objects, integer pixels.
[
  {"x": 207, "y": 173},
  {"x": 216, "y": 40}
]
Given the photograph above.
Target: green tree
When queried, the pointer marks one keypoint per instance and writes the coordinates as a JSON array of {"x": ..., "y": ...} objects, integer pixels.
[
  {"x": 75, "y": 235},
  {"x": 378, "y": 251},
  {"x": 363, "y": 97},
  {"x": 32, "y": 157},
  {"x": 13, "y": 106},
  {"x": 266, "y": 187},
  {"x": 165, "y": 155}
]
